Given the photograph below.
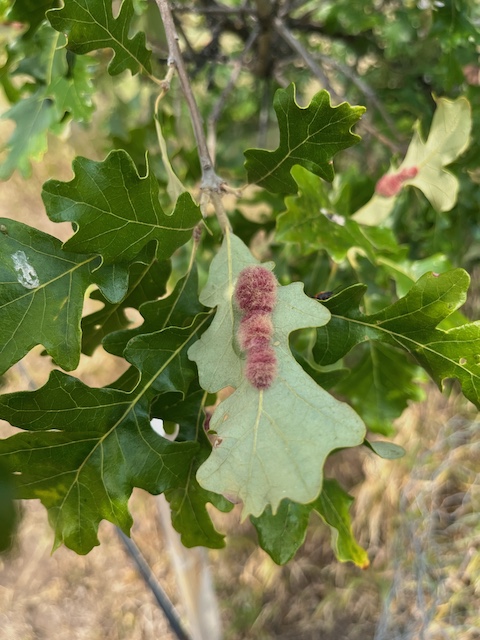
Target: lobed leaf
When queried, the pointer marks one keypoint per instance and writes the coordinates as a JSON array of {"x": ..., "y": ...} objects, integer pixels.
[
  {"x": 177, "y": 309},
  {"x": 90, "y": 25},
  {"x": 448, "y": 138},
  {"x": 309, "y": 222},
  {"x": 309, "y": 136},
  {"x": 411, "y": 324},
  {"x": 188, "y": 502},
  {"x": 147, "y": 280},
  {"x": 117, "y": 212},
  {"x": 85, "y": 449},
  {"x": 41, "y": 299},
  {"x": 333, "y": 506},
  {"x": 270, "y": 444},
  {"x": 282, "y": 534}
]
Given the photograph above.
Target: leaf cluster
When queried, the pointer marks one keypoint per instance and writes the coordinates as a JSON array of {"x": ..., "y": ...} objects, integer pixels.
[{"x": 348, "y": 361}]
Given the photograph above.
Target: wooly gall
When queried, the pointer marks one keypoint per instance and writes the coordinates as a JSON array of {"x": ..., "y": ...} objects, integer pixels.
[
  {"x": 256, "y": 296},
  {"x": 256, "y": 290}
]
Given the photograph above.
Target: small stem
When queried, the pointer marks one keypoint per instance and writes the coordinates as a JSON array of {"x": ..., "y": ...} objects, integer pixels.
[
  {"x": 210, "y": 180},
  {"x": 218, "y": 106}
]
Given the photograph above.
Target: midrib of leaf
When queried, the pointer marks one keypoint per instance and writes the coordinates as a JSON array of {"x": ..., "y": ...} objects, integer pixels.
[
  {"x": 127, "y": 221},
  {"x": 401, "y": 339},
  {"x": 69, "y": 272},
  {"x": 112, "y": 37},
  {"x": 130, "y": 407}
]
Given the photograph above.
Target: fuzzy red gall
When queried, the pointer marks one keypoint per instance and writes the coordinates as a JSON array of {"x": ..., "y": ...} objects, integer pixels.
[
  {"x": 390, "y": 184},
  {"x": 261, "y": 367},
  {"x": 255, "y": 331},
  {"x": 256, "y": 290}
]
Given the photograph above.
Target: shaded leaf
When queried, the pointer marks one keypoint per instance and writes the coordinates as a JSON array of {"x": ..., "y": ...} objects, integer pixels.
[
  {"x": 30, "y": 11},
  {"x": 147, "y": 280},
  {"x": 309, "y": 222},
  {"x": 177, "y": 309},
  {"x": 85, "y": 449},
  {"x": 309, "y": 136},
  {"x": 380, "y": 385},
  {"x": 117, "y": 212},
  {"x": 271, "y": 444},
  {"x": 282, "y": 534},
  {"x": 188, "y": 502},
  {"x": 90, "y": 25}
]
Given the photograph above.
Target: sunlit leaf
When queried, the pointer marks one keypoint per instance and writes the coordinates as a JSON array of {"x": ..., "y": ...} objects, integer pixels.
[
  {"x": 448, "y": 138},
  {"x": 333, "y": 505},
  {"x": 117, "y": 212},
  {"x": 411, "y": 324},
  {"x": 309, "y": 136},
  {"x": 90, "y": 25}
]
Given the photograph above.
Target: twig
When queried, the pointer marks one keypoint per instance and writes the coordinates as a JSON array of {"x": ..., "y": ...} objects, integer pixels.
[
  {"x": 160, "y": 595},
  {"x": 210, "y": 180},
  {"x": 220, "y": 103},
  {"x": 215, "y": 10},
  {"x": 297, "y": 46},
  {"x": 367, "y": 91}
]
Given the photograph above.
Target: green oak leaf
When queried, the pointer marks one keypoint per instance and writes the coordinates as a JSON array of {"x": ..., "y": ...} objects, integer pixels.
[
  {"x": 282, "y": 534},
  {"x": 83, "y": 452},
  {"x": 147, "y": 280},
  {"x": 381, "y": 385},
  {"x": 385, "y": 450},
  {"x": 34, "y": 117},
  {"x": 41, "y": 299},
  {"x": 90, "y": 25},
  {"x": 333, "y": 506},
  {"x": 411, "y": 324},
  {"x": 448, "y": 138},
  {"x": 188, "y": 502},
  {"x": 64, "y": 88},
  {"x": 71, "y": 84},
  {"x": 84, "y": 449},
  {"x": 30, "y": 11},
  {"x": 8, "y": 512},
  {"x": 117, "y": 212},
  {"x": 271, "y": 444},
  {"x": 309, "y": 136},
  {"x": 308, "y": 221},
  {"x": 178, "y": 309}
]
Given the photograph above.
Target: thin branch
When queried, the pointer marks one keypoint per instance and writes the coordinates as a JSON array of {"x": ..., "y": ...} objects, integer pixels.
[
  {"x": 220, "y": 103},
  {"x": 365, "y": 88},
  {"x": 210, "y": 180},
  {"x": 218, "y": 9},
  {"x": 298, "y": 47}
]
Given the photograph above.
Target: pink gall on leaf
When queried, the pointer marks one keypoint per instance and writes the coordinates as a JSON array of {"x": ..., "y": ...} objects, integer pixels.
[{"x": 256, "y": 290}]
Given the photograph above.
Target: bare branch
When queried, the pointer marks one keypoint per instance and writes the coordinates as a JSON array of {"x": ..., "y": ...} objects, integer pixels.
[
  {"x": 298, "y": 47},
  {"x": 211, "y": 184},
  {"x": 220, "y": 103},
  {"x": 210, "y": 180}
]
